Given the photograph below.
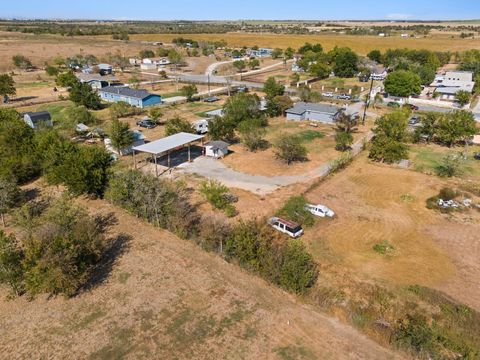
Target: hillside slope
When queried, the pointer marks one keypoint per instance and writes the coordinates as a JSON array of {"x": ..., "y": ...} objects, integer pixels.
[{"x": 166, "y": 298}]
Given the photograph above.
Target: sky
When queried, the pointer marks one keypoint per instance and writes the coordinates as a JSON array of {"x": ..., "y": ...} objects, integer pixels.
[{"x": 243, "y": 9}]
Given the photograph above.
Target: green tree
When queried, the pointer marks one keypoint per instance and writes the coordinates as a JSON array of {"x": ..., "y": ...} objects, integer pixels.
[
  {"x": 241, "y": 107},
  {"x": 428, "y": 126},
  {"x": 18, "y": 156},
  {"x": 189, "y": 91},
  {"x": 289, "y": 52},
  {"x": 221, "y": 128},
  {"x": 66, "y": 79},
  {"x": 120, "y": 135},
  {"x": 21, "y": 62},
  {"x": 7, "y": 85},
  {"x": 11, "y": 267},
  {"x": 278, "y": 105},
  {"x": 146, "y": 53},
  {"x": 290, "y": 148},
  {"x": 240, "y": 65},
  {"x": 343, "y": 140},
  {"x": 253, "y": 63},
  {"x": 451, "y": 165},
  {"x": 176, "y": 125},
  {"x": 463, "y": 97},
  {"x": 9, "y": 194},
  {"x": 84, "y": 95},
  {"x": 155, "y": 113},
  {"x": 375, "y": 55},
  {"x": 271, "y": 88},
  {"x": 388, "y": 144},
  {"x": 345, "y": 62},
  {"x": 403, "y": 83},
  {"x": 121, "y": 109},
  {"x": 320, "y": 70},
  {"x": 456, "y": 126},
  {"x": 51, "y": 70},
  {"x": 276, "y": 53},
  {"x": 214, "y": 192},
  {"x": 252, "y": 134},
  {"x": 175, "y": 58}
]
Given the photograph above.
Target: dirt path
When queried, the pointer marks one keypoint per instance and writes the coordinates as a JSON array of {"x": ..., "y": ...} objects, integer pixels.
[
  {"x": 165, "y": 298},
  {"x": 261, "y": 185}
]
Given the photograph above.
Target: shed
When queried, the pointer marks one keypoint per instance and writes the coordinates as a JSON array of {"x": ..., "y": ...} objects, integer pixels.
[
  {"x": 313, "y": 112},
  {"x": 37, "y": 120},
  {"x": 217, "y": 149},
  {"x": 213, "y": 113}
]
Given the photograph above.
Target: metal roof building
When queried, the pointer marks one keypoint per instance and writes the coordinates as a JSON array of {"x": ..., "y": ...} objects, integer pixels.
[{"x": 167, "y": 145}]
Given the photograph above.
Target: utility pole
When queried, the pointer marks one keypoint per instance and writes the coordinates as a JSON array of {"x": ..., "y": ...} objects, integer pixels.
[
  {"x": 367, "y": 100},
  {"x": 208, "y": 76}
]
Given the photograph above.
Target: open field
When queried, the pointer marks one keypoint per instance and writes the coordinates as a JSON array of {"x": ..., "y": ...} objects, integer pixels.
[
  {"x": 376, "y": 203},
  {"x": 319, "y": 142},
  {"x": 166, "y": 298},
  {"x": 360, "y": 44}
]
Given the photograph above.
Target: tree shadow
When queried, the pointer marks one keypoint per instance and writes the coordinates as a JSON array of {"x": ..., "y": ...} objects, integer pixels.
[{"x": 116, "y": 247}]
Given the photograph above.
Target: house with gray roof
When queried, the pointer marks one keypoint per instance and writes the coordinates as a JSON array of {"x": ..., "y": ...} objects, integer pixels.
[
  {"x": 38, "y": 120},
  {"x": 139, "y": 98},
  {"x": 313, "y": 112},
  {"x": 97, "y": 81},
  {"x": 452, "y": 82}
]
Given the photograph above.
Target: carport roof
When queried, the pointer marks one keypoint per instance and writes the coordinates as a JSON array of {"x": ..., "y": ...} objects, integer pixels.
[{"x": 168, "y": 143}]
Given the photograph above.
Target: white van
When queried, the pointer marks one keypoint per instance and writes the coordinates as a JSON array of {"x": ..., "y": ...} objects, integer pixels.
[{"x": 290, "y": 228}]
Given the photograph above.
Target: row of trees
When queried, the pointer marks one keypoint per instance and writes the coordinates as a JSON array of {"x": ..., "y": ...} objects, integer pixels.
[{"x": 252, "y": 244}]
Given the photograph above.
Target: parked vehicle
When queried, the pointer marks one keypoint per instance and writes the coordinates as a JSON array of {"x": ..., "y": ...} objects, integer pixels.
[
  {"x": 290, "y": 228},
  {"x": 476, "y": 156},
  {"x": 320, "y": 210},
  {"x": 327, "y": 94},
  {"x": 147, "y": 124},
  {"x": 211, "y": 99},
  {"x": 201, "y": 126},
  {"x": 412, "y": 107},
  {"x": 344, "y": 97},
  {"x": 413, "y": 121}
]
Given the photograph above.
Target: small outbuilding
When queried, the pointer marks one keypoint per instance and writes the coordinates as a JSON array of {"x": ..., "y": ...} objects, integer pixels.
[
  {"x": 38, "y": 120},
  {"x": 217, "y": 149}
]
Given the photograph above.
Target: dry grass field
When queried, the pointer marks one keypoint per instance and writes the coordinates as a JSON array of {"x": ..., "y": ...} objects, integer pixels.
[
  {"x": 167, "y": 299},
  {"x": 376, "y": 203},
  {"x": 360, "y": 44}
]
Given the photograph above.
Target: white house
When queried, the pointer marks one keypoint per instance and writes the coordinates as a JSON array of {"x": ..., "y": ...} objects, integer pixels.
[
  {"x": 217, "y": 149},
  {"x": 452, "y": 82}
]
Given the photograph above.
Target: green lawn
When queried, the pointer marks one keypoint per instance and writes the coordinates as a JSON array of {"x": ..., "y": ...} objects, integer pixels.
[{"x": 427, "y": 158}]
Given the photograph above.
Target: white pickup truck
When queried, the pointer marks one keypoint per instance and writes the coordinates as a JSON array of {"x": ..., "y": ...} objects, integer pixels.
[
  {"x": 320, "y": 210},
  {"x": 290, "y": 228}
]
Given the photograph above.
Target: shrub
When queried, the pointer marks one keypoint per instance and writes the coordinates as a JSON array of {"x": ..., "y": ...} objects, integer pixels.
[
  {"x": 294, "y": 209},
  {"x": 57, "y": 253},
  {"x": 252, "y": 134},
  {"x": 383, "y": 247},
  {"x": 342, "y": 162},
  {"x": 343, "y": 140},
  {"x": 257, "y": 248},
  {"x": 163, "y": 203},
  {"x": 214, "y": 193},
  {"x": 289, "y": 148},
  {"x": 452, "y": 165},
  {"x": 177, "y": 125}
]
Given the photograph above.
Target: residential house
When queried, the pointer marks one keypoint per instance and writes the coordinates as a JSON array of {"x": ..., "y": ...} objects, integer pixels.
[
  {"x": 102, "y": 69},
  {"x": 313, "y": 112},
  {"x": 260, "y": 53},
  {"x": 139, "y": 98},
  {"x": 156, "y": 61},
  {"x": 452, "y": 82},
  {"x": 378, "y": 73},
  {"x": 97, "y": 81},
  {"x": 38, "y": 120},
  {"x": 217, "y": 149}
]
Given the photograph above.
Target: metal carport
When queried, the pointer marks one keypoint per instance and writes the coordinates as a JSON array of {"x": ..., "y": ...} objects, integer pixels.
[{"x": 166, "y": 145}]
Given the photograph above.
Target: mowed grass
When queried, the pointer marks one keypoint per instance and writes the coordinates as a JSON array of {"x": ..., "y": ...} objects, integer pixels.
[
  {"x": 428, "y": 158},
  {"x": 360, "y": 44}
]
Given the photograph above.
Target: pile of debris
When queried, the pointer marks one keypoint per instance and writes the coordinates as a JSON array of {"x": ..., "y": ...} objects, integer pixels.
[{"x": 453, "y": 204}]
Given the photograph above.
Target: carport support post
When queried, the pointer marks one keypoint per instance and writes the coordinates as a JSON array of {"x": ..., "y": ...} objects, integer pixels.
[
  {"x": 156, "y": 166},
  {"x": 168, "y": 157},
  {"x": 189, "y": 160},
  {"x": 134, "y": 160}
]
